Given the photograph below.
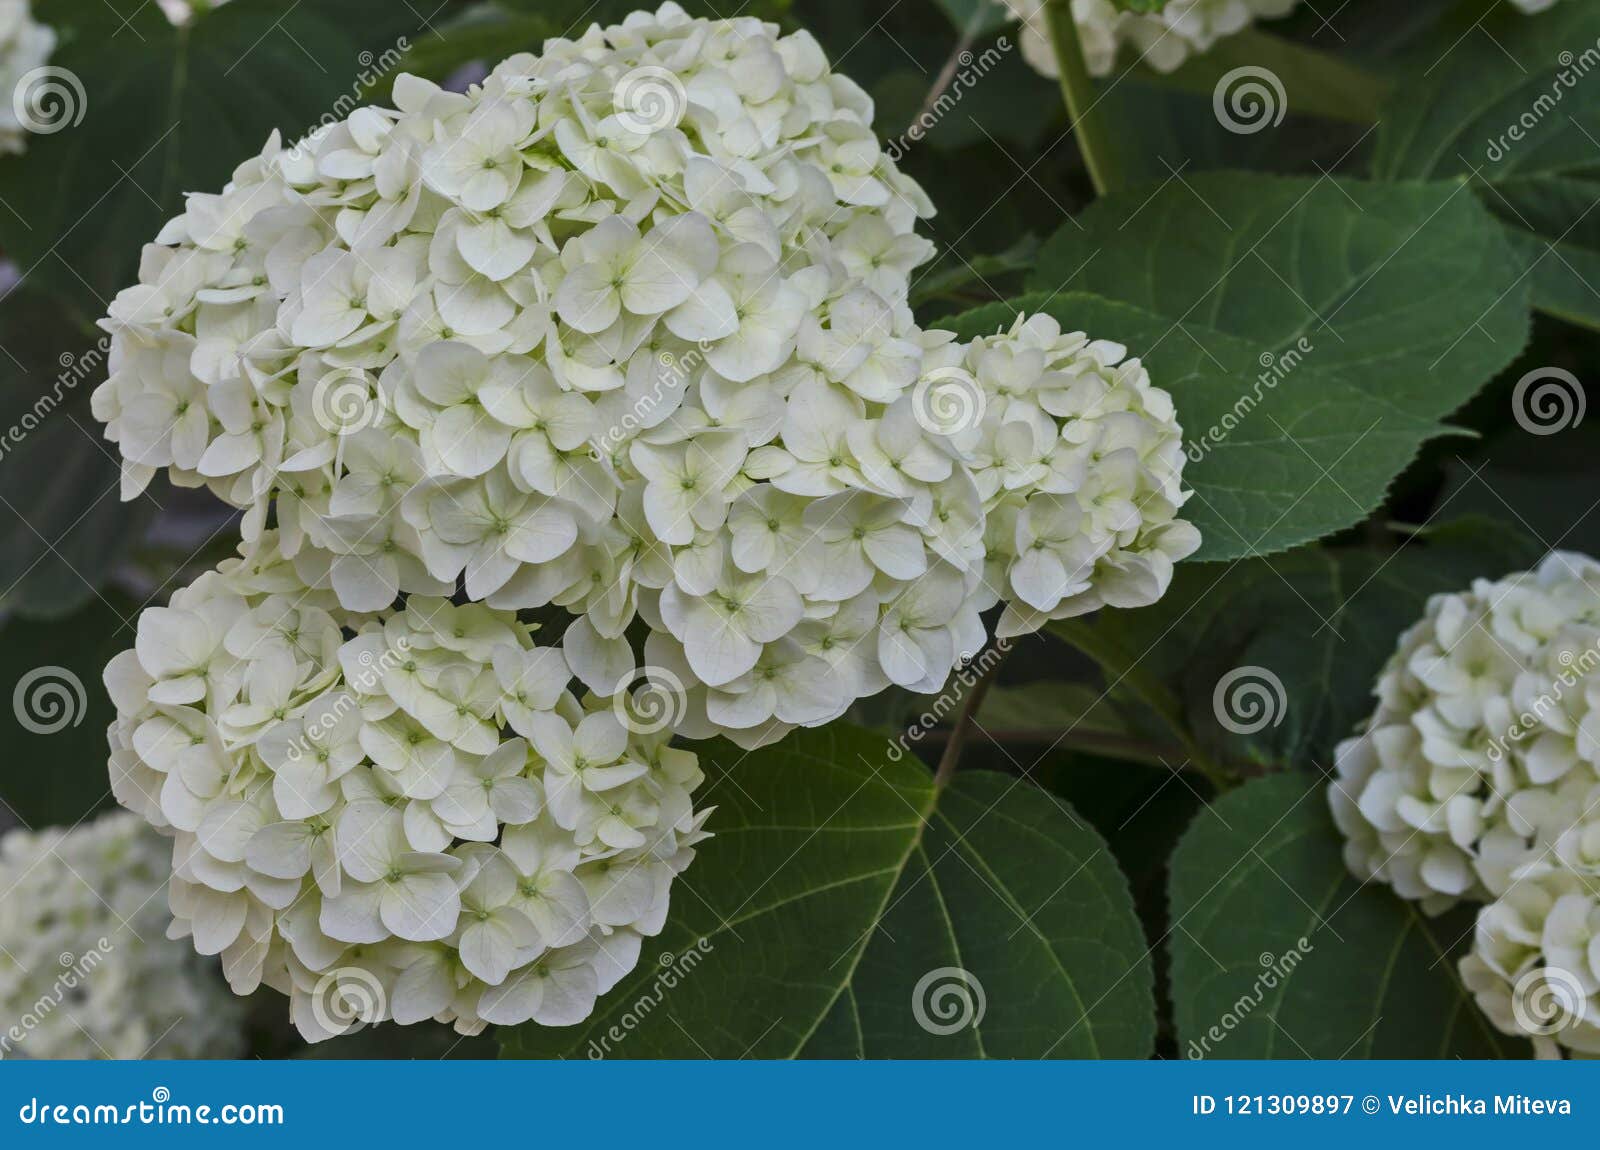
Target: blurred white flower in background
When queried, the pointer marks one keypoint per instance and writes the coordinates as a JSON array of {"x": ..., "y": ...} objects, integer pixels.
[
  {"x": 86, "y": 968},
  {"x": 1163, "y": 40},
  {"x": 25, "y": 48},
  {"x": 182, "y": 11}
]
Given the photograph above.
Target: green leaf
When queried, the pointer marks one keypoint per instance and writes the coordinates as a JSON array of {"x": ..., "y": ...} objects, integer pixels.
[
  {"x": 973, "y": 273},
  {"x": 1314, "y": 333},
  {"x": 1543, "y": 485},
  {"x": 167, "y": 111},
  {"x": 1314, "y": 83},
  {"x": 54, "y": 711},
  {"x": 837, "y": 881},
  {"x": 1278, "y": 953},
  {"x": 1507, "y": 104},
  {"x": 974, "y": 18},
  {"x": 62, "y": 524},
  {"x": 1313, "y": 627}
]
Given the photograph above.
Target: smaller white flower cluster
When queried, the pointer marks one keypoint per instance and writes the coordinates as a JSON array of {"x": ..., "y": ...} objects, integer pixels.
[
  {"x": 25, "y": 45},
  {"x": 1078, "y": 459},
  {"x": 86, "y": 970},
  {"x": 1478, "y": 777},
  {"x": 1534, "y": 968},
  {"x": 409, "y": 811},
  {"x": 1163, "y": 40}
]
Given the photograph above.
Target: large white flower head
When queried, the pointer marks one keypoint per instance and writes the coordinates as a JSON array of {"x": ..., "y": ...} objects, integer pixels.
[
  {"x": 25, "y": 47},
  {"x": 86, "y": 969},
  {"x": 1534, "y": 966},
  {"x": 400, "y": 815},
  {"x": 623, "y": 330},
  {"x": 1480, "y": 763},
  {"x": 1163, "y": 40}
]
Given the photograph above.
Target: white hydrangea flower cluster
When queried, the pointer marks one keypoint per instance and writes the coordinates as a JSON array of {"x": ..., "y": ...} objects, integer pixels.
[
  {"x": 1484, "y": 748},
  {"x": 1078, "y": 459},
  {"x": 626, "y": 330},
  {"x": 85, "y": 968},
  {"x": 1534, "y": 968},
  {"x": 1478, "y": 779},
  {"x": 1163, "y": 40},
  {"x": 402, "y": 815},
  {"x": 25, "y": 45}
]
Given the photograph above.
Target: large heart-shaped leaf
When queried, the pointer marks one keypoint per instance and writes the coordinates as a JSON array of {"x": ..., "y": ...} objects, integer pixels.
[
  {"x": 1278, "y": 953},
  {"x": 1506, "y": 101},
  {"x": 1313, "y": 332},
  {"x": 846, "y": 908}
]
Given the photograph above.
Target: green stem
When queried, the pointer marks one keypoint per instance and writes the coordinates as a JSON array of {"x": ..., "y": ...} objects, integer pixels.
[
  {"x": 962, "y": 728},
  {"x": 1078, "y": 91}
]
